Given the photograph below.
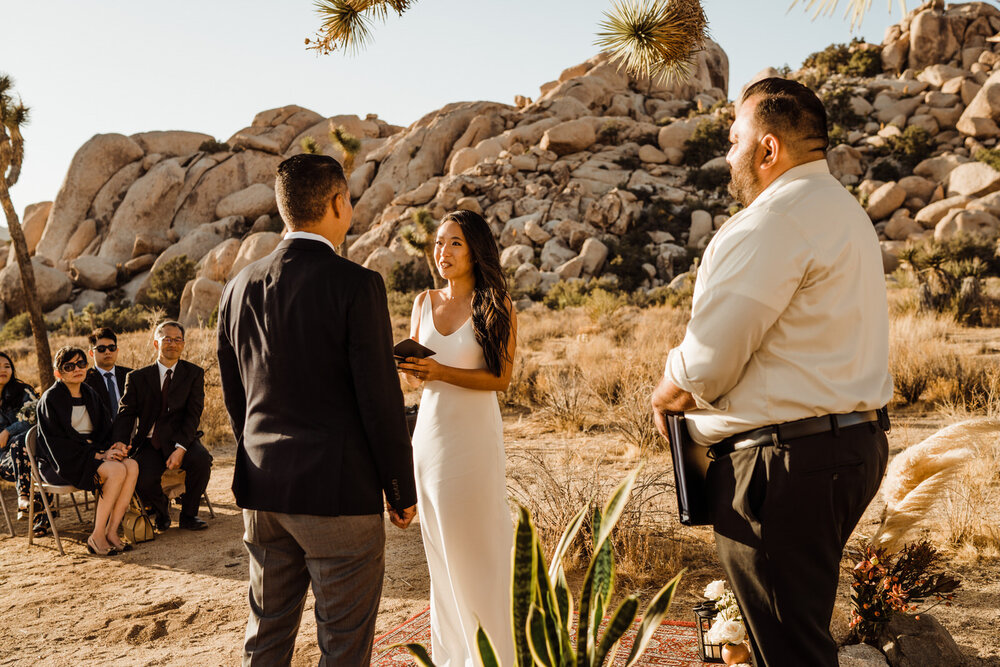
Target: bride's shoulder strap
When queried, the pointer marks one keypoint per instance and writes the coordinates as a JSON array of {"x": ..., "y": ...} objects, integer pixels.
[{"x": 420, "y": 305}]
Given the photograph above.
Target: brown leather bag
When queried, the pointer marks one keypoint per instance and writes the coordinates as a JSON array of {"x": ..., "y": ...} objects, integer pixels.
[{"x": 136, "y": 523}]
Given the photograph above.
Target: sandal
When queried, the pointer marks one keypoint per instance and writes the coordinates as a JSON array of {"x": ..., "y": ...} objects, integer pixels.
[
  {"x": 23, "y": 509},
  {"x": 92, "y": 548},
  {"x": 41, "y": 527}
]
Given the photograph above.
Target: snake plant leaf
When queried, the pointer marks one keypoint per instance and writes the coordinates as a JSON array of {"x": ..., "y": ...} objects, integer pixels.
[
  {"x": 564, "y": 600},
  {"x": 566, "y": 540},
  {"x": 538, "y": 641},
  {"x": 620, "y": 622},
  {"x": 416, "y": 650},
  {"x": 614, "y": 507},
  {"x": 523, "y": 585},
  {"x": 487, "y": 652},
  {"x": 545, "y": 597},
  {"x": 655, "y": 613}
]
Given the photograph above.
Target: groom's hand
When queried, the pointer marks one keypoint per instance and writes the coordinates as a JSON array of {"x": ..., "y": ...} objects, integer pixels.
[{"x": 403, "y": 518}]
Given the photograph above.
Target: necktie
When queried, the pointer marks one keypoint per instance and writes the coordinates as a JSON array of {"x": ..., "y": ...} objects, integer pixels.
[
  {"x": 163, "y": 408},
  {"x": 109, "y": 378}
]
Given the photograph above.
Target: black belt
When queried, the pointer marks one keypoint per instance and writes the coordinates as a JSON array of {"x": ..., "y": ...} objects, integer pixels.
[{"x": 782, "y": 433}]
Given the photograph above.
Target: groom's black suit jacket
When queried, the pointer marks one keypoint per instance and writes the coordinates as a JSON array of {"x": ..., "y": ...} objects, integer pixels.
[{"x": 310, "y": 384}]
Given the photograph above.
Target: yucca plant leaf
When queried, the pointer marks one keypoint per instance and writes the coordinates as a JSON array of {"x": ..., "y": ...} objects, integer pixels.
[
  {"x": 856, "y": 9},
  {"x": 619, "y": 624},
  {"x": 572, "y": 530},
  {"x": 538, "y": 641},
  {"x": 654, "y": 38},
  {"x": 416, "y": 650},
  {"x": 655, "y": 613},
  {"x": 523, "y": 584},
  {"x": 487, "y": 652},
  {"x": 344, "y": 24}
]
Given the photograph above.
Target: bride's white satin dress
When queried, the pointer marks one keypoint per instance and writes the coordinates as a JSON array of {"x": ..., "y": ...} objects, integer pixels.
[{"x": 461, "y": 493}]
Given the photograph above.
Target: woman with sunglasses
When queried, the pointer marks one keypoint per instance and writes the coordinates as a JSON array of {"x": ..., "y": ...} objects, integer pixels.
[
  {"x": 75, "y": 428},
  {"x": 14, "y": 465}
]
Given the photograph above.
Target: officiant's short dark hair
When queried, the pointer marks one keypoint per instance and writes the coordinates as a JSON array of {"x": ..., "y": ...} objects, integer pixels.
[
  {"x": 304, "y": 186},
  {"x": 790, "y": 110}
]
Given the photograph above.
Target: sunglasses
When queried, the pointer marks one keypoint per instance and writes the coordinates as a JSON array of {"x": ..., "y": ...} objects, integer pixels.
[
  {"x": 106, "y": 348},
  {"x": 71, "y": 366}
]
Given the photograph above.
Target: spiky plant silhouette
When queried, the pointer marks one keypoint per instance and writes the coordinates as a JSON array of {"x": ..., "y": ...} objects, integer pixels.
[
  {"x": 419, "y": 240},
  {"x": 13, "y": 116}
]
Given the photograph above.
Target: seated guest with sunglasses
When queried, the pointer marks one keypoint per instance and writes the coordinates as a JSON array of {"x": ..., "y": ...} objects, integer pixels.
[
  {"x": 158, "y": 416},
  {"x": 74, "y": 430},
  {"x": 106, "y": 377}
]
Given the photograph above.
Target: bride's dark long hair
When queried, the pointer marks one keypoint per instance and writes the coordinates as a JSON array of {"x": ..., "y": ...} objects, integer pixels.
[{"x": 490, "y": 300}]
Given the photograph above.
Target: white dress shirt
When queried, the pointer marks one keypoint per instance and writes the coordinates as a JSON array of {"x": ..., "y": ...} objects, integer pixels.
[
  {"x": 163, "y": 374},
  {"x": 310, "y": 236},
  {"x": 789, "y": 317}
]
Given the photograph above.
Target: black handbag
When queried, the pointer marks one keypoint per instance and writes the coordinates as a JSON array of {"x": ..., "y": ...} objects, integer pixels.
[{"x": 690, "y": 462}]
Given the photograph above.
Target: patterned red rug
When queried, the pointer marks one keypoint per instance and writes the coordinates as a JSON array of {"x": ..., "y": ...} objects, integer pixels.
[{"x": 675, "y": 644}]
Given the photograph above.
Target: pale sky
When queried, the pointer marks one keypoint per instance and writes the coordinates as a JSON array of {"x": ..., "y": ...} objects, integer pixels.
[{"x": 209, "y": 66}]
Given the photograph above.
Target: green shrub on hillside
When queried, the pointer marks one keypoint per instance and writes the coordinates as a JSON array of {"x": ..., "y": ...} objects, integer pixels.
[
  {"x": 166, "y": 285},
  {"x": 908, "y": 148},
  {"x": 839, "y": 111},
  {"x": 990, "y": 156},
  {"x": 849, "y": 59},
  {"x": 15, "y": 329},
  {"x": 213, "y": 146},
  {"x": 710, "y": 139},
  {"x": 713, "y": 178}
]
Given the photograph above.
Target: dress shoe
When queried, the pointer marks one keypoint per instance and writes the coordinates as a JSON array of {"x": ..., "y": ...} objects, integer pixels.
[
  {"x": 192, "y": 523},
  {"x": 161, "y": 523}
]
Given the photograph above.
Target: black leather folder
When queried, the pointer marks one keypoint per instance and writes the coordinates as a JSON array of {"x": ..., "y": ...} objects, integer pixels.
[{"x": 690, "y": 466}]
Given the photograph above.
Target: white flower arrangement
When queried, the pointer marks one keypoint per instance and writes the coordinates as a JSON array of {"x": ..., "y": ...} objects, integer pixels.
[
  {"x": 29, "y": 412},
  {"x": 727, "y": 628},
  {"x": 725, "y": 631}
]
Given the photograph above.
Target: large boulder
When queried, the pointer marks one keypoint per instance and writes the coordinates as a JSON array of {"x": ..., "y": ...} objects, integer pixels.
[
  {"x": 973, "y": 179},
  {"x": 918, "y": 641},
  {"x": 516, "y": 255},
  {"x": 860, "y": 655},
  {"x": 170, "y": 143},
  {"x": 593, "y": 253},
  {"x": 93, "y": 273},
  {"x": 81, "y": 240},
  {"x": 931, "y": 214},
  {"x": 54, "y": 287},
  {"x": 555, "y": 253},
  {"x": 111, "y": 194},
  {"x": 94, "y": 163},
  {"x": 217, "y": 264},
  {"x": 980, "y": 116},
  {"x": 208, "y": 182},
  {"x": 148, "y": 208},
  {"x": 273, "y": 131},
  {"x": 967, "y": 223},
  {"x": 33, "y": 223},
  {"x": 199, "y": 300},
  {"x": 251, "y": 202},
  {"x": 674, "y": 135},
  {"x": 195, "y": 245},
  {"x": 570, "y": 137},
  {"x": 938, "y": 168},
  {"x": 933, "y": 39},
  {"x": 254, "y": 247},
  {"x": 886, "y": 199},
  {"x": 844, "y": 160}
]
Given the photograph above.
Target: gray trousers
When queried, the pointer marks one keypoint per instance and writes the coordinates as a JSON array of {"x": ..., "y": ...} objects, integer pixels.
[
  {"x": 782, "y": 517},
  {"x": 344, "y": 559}
]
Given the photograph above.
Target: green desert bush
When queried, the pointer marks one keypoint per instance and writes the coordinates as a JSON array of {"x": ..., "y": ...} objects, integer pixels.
[
  {"x": 852, "y": 59},
  {"x": 908, "y": 148},
  {"x": 710, "y": 139},
  {"x": 213, "y": 146},
  {"x": 712, "y": 179},
  {"x": 166, "y": 285}
]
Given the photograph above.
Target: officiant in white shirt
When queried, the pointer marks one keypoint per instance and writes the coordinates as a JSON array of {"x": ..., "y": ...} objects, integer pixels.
[
  {"x": 783, "y": 374},
  {"x": 106, "y": 377}
]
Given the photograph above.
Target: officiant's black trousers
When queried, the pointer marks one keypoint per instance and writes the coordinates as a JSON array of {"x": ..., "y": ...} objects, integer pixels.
[{"x": 782, "y": 516}]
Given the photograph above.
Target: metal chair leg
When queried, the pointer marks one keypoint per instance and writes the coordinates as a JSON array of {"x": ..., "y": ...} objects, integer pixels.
[
  {"x": 76, "y": 507},
  {"x": 6, "y": 515},
  {"x": 208, "y": 503},
  {"x": 52, "y": 522}
]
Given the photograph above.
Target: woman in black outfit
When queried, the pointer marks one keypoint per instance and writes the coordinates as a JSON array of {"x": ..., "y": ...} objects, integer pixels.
[
  {"x": 14, "y": 465},
  {"x": 75, "y": 428}
]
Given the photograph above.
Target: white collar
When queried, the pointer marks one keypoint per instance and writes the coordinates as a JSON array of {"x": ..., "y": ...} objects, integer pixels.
[
  {"x": 309, "y": 236},
  {"x": 104, "y": 372},
  {"x": 819, "y": 166},
  {"x": 163, "y": 369}
]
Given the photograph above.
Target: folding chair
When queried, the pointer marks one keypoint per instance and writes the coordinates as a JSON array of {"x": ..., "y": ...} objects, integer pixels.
[
  {"x": 6, "y": 515},
  {"x": 172, "y": 483},
  {"x": 31, "y": 445}
]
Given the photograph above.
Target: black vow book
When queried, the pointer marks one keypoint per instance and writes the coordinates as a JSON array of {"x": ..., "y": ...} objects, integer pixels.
[{"x": 690, "y": 466}]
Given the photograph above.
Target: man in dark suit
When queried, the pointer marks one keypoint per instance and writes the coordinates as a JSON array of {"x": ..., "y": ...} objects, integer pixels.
[
  {"x": 158, "y": 416},
  {"x": 106, "y": 377},
  {"x": 305, "y": 355}
]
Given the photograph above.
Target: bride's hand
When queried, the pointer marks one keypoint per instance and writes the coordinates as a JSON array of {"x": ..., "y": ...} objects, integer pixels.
[{"x": 426, "y": 370}]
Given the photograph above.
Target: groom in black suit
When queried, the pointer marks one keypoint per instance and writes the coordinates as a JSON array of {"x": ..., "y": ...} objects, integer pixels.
[
  {"x": 305, "y": 355},
  {"x": 158, "y": 417}
]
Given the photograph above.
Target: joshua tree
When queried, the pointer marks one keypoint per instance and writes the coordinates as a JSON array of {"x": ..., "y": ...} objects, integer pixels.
[
  {"x": 309, "y": 145},
  {"x": 419, "y": 240},
  {"x": 348, "y": 144},
  {"x": 12, "y": 116},
  {"x": 650, "y": 38}
]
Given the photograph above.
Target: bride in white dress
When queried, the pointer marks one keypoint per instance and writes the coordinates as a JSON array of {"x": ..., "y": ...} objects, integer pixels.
[{"x": 458, "y": 442}]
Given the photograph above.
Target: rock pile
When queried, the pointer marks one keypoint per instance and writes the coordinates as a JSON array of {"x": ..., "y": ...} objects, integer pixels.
[{"x": 597, "y": 161}]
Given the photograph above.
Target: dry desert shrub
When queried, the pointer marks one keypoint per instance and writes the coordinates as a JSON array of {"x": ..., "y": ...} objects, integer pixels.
[
  {"x": 563, "y": 397},
  {"x": 919, "y": 352},
  {"x": 555, "y": 487}
]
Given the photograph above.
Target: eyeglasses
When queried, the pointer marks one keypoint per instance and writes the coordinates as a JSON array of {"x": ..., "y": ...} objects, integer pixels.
[
  {"x": 106, "y": 348},
  {"x": 172, "y": 341},
  {"x": 71, "y": 366}
]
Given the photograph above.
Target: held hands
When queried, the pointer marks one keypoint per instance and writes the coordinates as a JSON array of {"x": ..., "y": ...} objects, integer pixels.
[
  {"x": 116, "y": 452},
  {"x": 401, "y": 519},
  {"x": 425, "y": 370},
  {"x": 175, "y": 458}
]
